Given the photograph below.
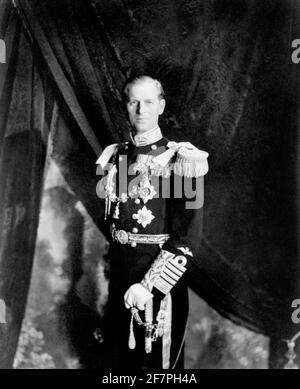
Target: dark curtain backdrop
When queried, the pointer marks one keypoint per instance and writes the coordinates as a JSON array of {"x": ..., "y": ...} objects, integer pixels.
[
  {"x": 231, "y": 90},
  {"x": 26, "y": 107}
]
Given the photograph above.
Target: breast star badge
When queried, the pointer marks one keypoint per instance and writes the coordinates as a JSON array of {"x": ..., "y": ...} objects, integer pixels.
[
  {"x": 146, "y": 191},
  {"x": 143, "y": 216}
]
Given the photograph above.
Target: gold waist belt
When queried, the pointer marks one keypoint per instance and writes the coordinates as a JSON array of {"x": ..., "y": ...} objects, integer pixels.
[{"x": 124, "y": 237}]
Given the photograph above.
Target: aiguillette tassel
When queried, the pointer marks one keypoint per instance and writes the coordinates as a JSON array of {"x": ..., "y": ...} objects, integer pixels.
[{"x": 131, "y": 340}]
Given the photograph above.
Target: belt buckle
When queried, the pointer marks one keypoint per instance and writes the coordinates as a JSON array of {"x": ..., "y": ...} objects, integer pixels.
[{"x": 122, "y": 237}]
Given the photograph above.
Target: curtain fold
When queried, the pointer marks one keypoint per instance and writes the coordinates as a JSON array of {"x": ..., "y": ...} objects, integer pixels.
[{"x": 23, "y": 144}]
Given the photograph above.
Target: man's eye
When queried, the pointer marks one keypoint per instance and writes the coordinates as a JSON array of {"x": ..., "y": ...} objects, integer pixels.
[{"x": 132, "y": 102}]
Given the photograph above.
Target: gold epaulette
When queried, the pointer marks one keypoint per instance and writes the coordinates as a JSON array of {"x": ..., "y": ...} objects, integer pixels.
[
  {"x": 107, "y": 153},
  {"x": 189, "y": 162}
]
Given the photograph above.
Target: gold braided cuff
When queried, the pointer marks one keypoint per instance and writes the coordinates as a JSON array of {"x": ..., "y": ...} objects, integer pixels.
[{"x": 165, "y": 272}]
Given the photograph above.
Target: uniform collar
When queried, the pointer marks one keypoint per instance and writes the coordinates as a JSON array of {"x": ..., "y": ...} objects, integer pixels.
[{"x": 147, "y": 138}]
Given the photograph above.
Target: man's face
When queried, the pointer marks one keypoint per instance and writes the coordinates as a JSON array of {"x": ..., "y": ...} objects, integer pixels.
[{"x": 144, "y": 106}]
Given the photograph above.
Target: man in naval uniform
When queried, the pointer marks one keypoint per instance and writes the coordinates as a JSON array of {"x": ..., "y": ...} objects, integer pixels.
[{"x": 153, "y": 192}]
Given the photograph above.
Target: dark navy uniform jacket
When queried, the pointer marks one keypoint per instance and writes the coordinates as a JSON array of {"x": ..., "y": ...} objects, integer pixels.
[{"x": 167, "y": 214}]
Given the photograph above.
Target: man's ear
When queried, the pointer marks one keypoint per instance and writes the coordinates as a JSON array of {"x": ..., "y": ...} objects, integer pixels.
[{"x": 162, "y": 103}]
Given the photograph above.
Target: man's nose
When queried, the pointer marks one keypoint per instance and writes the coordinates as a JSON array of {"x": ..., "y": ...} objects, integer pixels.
[{"x": 140, "y": 108}]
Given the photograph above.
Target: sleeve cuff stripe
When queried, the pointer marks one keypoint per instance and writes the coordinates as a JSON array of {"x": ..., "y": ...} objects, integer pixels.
[
  {"x": 178, "y": 267},
  {"x": 171, "y": 274},
  {"x": 172, "y": 268},
  {"x": 168, "y": 279},
  {"x": 162, "y": 288}
]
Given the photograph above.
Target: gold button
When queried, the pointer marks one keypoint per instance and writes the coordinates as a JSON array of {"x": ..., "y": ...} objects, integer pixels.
[
  {"x": 113, "y": 225},
  {"x": 153, "y": 147},
  {"x": 120, "y": 158},
  {"x": 133, "y": 244},
  {"x": 135, "y": 230},
  {"x": 137, "y": 201}
]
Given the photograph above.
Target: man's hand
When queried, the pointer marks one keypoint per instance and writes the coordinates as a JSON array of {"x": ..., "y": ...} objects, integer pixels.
[{"x": 137, "y": 296}]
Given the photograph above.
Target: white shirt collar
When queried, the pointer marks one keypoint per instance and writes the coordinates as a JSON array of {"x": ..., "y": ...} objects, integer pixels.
[{"x": 147, "y": 138}]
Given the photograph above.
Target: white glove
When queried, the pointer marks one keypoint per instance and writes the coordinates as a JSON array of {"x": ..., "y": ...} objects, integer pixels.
[{"x": 137, "y": 296}]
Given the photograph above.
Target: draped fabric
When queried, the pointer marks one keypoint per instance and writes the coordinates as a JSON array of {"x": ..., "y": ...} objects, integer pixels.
[
  {"x": 25, "y": 115},
  {"x": 231, "y": 90}
]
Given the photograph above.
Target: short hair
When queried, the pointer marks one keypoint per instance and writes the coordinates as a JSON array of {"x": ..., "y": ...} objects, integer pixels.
[{"x": 140, "y": 78}]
